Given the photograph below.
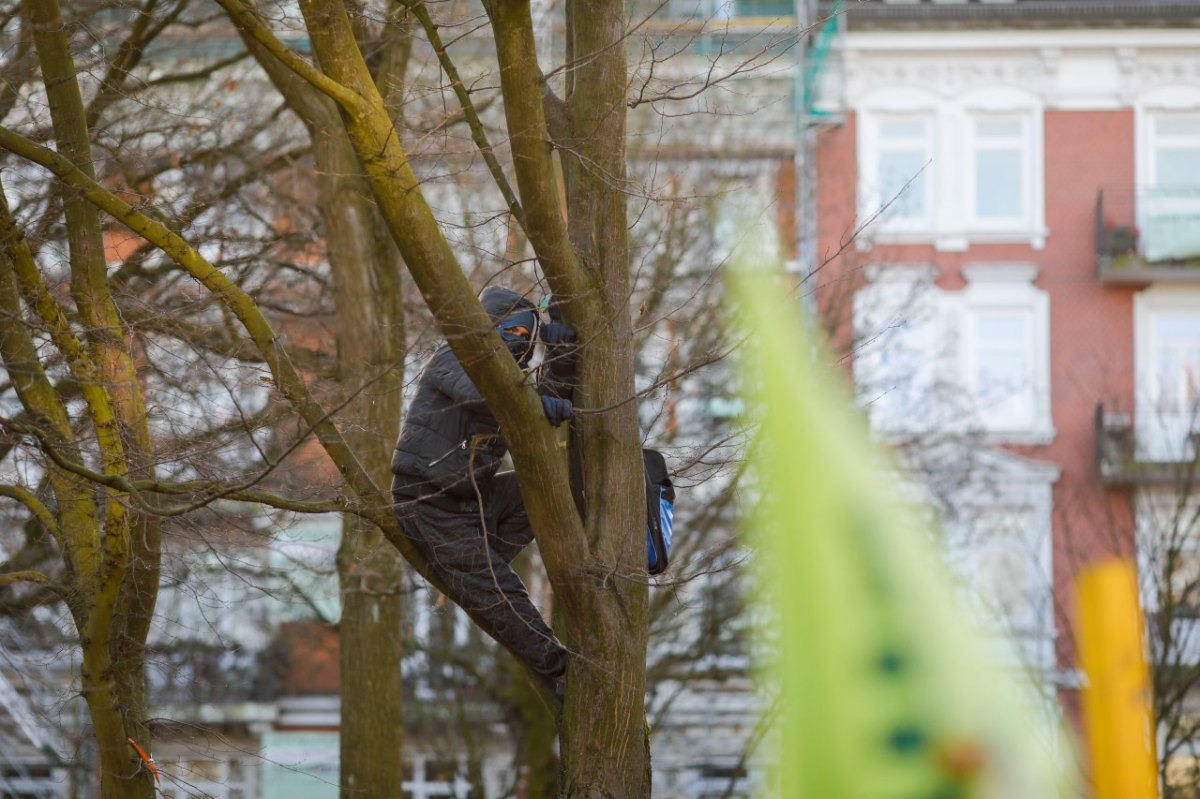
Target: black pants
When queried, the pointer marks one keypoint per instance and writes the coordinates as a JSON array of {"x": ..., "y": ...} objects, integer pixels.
[{"x": 470, "y": 549}]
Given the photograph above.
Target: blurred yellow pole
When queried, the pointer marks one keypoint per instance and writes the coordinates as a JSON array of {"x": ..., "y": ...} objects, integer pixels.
[{"x": 1116, "y": 700}]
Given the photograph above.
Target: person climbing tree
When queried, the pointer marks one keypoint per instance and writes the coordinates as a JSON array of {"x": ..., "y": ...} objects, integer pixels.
[{"x": 465, "y": 518}]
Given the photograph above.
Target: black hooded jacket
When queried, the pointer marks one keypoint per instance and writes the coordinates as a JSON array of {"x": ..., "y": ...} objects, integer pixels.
[{"x": 449, "y": 428}]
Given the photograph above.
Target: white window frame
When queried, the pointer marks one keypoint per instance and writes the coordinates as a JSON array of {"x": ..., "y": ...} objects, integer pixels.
[
  {"x": 1027, "y": 538},
  {"x": 952, "y": 358},
  {"x": 1170, "y": 101},
  {"x": 1159, "y": 437},
  {"x": 885, "y": 206},
  {"x": 1025, "y": 148},
  {"x": 897, "y": 296},
  {"x": 1163, "y": 101},
  {"x": 1155, "y": 507},
  {"x": 1009, "y": 484},
  {"x": 1000, "y": 287},
  {"x": 909, "y": 105},
  {"x": 1157, "y": 140},
  {"x": 953, "y": 224},
  {"x": 974, "y": 356}
]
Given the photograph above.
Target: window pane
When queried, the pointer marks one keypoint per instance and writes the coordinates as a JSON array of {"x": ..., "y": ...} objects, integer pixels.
[
  {"x": 1182, "y": 573},
  {"x": 1005, "y": 586},
  {"x": 903, "y": 129},
  {"x": 897, "y": 364},
  {"x": 1177, "y": 362},
  {"x": 998, "y": 554},
  {"x": 1168, "y": 369},
  {"x": 902, "y": 177},
  {"x": 1177, "y": 166},
  {"x": 1001, "y": 328},
  {"x": 998, "y": 128},
  {"x": 1179, "y": 380},
  {"x": 1001, "y": 375},
  {"x": 1003, "y": 379},
  {"x": 1175, "y": 329},
  {"x": 1004, "y": 391},
  {"x": 998, "y": 184},
  {"x": 1172, "y": 125}
]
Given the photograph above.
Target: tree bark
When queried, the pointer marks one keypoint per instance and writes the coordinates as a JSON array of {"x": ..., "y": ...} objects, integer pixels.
[
  {"x": 534, "y": 732},
  {"x": 604, "y": 735},
  {"x": 595, "y": 559},
  {"x": 604, "y": 604},
  {"x": 366, "y": 269},
  {"x": 120, "y": 579},
  {"x": 370, "y": 340}
]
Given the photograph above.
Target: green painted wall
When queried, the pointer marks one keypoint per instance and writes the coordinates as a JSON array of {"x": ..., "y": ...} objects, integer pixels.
[{"x": 300, "y": 765}]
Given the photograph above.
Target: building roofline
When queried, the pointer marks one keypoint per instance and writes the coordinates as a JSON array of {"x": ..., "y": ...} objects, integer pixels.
[{"x": 1016, "y": 14}]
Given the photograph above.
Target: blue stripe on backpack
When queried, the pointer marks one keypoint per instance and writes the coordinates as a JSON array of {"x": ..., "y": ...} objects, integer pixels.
[{"x": 660, "y": 511}]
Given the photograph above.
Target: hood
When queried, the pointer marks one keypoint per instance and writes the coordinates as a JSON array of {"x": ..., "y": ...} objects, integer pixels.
[
  {"x": 511, "y": 312},
  {"x": 499, "y": 302}
]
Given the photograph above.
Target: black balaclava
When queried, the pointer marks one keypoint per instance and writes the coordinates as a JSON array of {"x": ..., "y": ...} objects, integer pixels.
[
  {"x": 516, "y": 320},
  {"x": 519, "y": 331}
]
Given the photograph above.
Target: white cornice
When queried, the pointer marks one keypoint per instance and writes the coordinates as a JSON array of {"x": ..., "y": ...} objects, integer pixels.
[
  {"x": 993, "y": 41},
  {"x": 1070, "y": 70}
]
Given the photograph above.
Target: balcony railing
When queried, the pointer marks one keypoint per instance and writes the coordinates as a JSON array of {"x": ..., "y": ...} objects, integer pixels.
[
  {"x": 1120, "y": 463},
  {"x": 1148, "y": 235}
]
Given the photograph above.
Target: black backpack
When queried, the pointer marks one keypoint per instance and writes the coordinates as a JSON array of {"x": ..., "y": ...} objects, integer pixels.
[{"x": 660, "y": 510}]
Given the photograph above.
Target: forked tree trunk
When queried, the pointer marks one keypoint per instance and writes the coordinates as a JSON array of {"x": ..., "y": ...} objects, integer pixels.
[
  {"x": 596, "y": 561},
  {"x": 604, "y": 736},
  {"x": 116, "y": 561}
]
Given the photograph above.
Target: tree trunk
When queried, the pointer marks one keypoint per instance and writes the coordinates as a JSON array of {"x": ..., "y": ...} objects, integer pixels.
[
  {"x": 372, "y": 731},
  {"x": 117, "y": 565},
  {"x": 534, "y": 734},
  {"x": 534, "y": 728},
  {"x": 366, "y": 269},
  {"x": 604, "y": 736},
  {"x": 597, "y": 562},
  {"x": 370, "y": 341},
  {"x": 119, "y": 763}
]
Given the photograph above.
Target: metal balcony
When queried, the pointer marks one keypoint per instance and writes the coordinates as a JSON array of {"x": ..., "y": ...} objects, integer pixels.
[
  {"x": 1118, "y": 461},
  {"x": 1148, "y": 235}
]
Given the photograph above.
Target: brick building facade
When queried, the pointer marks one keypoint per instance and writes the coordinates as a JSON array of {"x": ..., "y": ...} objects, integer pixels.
[{"x": 1006, "y": 205}]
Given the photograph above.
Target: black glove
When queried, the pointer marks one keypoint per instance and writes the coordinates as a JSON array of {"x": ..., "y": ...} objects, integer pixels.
[
  {"x": 554, "y": 308},
  {"x": 557, "y": 410},
  {"x": 553, "y": 333}
]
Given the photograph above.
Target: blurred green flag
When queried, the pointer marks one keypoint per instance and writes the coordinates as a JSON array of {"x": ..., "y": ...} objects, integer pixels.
[{"x": 885, "y": 691}]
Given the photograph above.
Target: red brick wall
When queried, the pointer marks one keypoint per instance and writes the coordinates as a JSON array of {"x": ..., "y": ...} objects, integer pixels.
[
  {"x": 1091, "y": 334},
  {"x": 839, "y": 262},
  {"x": 311, "y": 652},
  {"x": 1091, "y": 325}
]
